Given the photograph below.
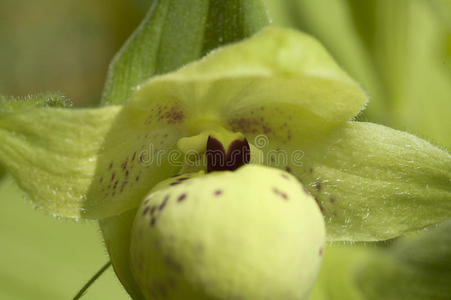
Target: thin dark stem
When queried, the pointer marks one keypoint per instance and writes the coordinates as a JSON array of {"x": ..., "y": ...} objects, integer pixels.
[{"x": 91, "y": 281}]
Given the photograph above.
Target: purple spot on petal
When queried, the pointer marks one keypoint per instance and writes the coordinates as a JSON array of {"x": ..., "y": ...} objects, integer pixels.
[
  {"x": 163, "y": 204},
  {"x": 146, "y": 209},
  {"x": 285, "y": 176},
  {"x": 318, "y": 186},
  {"x": 280, "y": 193},
  {"x": 181, "y": 197}
]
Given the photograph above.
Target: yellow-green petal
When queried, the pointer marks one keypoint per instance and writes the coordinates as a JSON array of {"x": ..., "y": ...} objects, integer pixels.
[
  {"x": 90, "y": 163},
  {"x": 276, "y": 68},
  {"x": 372, "y": 182}
]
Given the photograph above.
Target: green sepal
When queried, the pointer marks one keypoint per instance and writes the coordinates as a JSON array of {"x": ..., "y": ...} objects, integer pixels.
[
  {"x": 173, "y": 35},
  {"x": 11, "y": 104},
  {"x": 372, "y": 182},
  {"x": 90, "y": 163},
  {"x": 284, "y": 72}
]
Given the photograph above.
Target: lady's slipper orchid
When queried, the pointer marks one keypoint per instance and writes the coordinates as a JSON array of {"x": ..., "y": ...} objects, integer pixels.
[{"x": 288, "y": 106}]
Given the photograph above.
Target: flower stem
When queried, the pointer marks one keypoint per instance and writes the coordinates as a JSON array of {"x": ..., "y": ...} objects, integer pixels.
[{"x": 91, "y": 281}]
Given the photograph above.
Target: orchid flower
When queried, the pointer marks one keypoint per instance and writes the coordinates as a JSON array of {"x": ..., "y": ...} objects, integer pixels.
[{"x": 224, "y": 178}]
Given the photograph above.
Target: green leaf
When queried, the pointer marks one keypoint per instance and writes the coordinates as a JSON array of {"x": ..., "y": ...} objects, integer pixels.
[
  {"x": 416, "y": 267},
  {"x": 173, "y": 35},
  {"x": 279, "y": 12},
  {"x": 89, "y": 163},
  {"x": 277, "y": 76},
  {"x": 372, "y": 182}
]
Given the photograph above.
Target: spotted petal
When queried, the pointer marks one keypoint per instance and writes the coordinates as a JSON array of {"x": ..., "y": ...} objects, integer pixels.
[
  {"x": 89, "y": 162},
  {"x": 277, "y": 75}
]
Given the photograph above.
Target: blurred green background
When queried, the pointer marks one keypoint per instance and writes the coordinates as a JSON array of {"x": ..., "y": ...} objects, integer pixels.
[
  {"x": 400, "y": 51},
  {"x": 62, "y": 46}
]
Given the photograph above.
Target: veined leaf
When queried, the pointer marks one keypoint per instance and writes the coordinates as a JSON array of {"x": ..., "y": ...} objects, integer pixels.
[{"x": 173, "y": 35}]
